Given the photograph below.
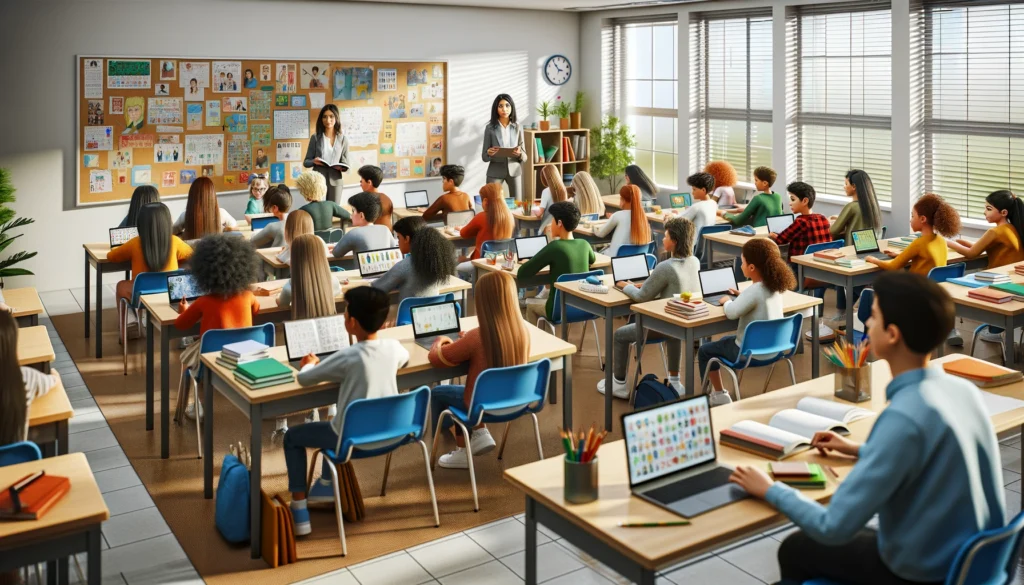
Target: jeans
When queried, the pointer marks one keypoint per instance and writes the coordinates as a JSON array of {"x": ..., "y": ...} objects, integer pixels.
[
  {"x": 317, "y": 435},
  {"x": 441, "y": 397},
  {"x": 628, "y": 334},
  {"x": 465, "y": 270},
  {"x": 857, "y": 562},
  {"x": 723, "y": 348},
  {"x": 841, "y": 296}
]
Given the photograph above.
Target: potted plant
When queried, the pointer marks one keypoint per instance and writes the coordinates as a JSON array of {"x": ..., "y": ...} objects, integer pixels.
[
  {"x": 612, "y": 150},
  {"x": 562, "y": 111},
  {"x": 7, "y": 223},
  {"x": 575, "y": 116},
  {"x": 544, "y": 109}
]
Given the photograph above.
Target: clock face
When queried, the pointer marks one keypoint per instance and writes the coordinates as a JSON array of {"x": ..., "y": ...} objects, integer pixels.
[{"x": 558, "y": 70}]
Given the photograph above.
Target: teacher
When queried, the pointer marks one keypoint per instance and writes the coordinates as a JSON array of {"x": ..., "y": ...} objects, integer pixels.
[
  {"x": 327, "y": 152},
  {"x": 504, "y": 132}
]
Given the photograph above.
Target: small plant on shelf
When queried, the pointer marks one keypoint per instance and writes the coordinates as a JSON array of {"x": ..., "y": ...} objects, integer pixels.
[
  {"x": 544, "y": 110},
  {"x": 562, "y": 111},
  {"x": 575, "y": 117},
  {"x": 9, "y": 222},
  {"x": 612, "y": 148}
]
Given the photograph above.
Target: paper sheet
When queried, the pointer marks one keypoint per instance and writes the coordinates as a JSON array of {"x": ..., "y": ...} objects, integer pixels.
[
  {"x": 128, "y": 74},
  {"x": 291, "y": 124},
  {"x": 99, "y": 138},
  {"x": 259, "y": 104},
  {"x": 194, "y": 70},
  {"x": 94, "y": 78},
  {"x": 100, "y": 181},
  {"x": 997, "y": 404},
  {"x": 227, "y": 76},
  {"x": 361, "y": 126},
  {"x": 164, "y": 111},
  {"x": 204, "y": 149},
  {"x": 360, "y": 158},
  {"x": 289, "y": 151},
  {"x": 239, "y": 155}
]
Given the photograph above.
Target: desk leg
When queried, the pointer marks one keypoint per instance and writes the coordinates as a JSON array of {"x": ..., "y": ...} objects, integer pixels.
[
  {"x": 565, "y": 337},
  {"x": 63, "y": 571},
  {"x": 255, "y": 500},
  {"x": 800, "y": 278},
  {"x": 640, "y": 338},
  {"x": 165, "y": 392},
  {"x": 99, "y": 313},
  {"x": 850, "y": 301},
  {"x": 608, "y": 384},
  {"x": 87, "y": 279},
  {"x": 62, "y": 438},
  {"x": 95, "y": 558},
  {"x": 1009, "y": 351},
  {"x": 207, "y": 434},
  {"x": 708, "y": 260},
  {"x": 531, "y": 542},
  {"x": 567, "y": 392},
  {"x": 690, "y": 380},
  {"x": 149, "y": 371},
  {"x": 815, "y": 343}
]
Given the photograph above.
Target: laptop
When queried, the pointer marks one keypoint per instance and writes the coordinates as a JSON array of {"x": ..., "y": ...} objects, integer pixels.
[
  {"x": 778, "y": 223},
  {"x": 432, "y": 321},
  {"x": 416, "y": 199},
  {"x": 672, "y": 461},
  {"x": 527, "y": 248},
  {"x": 715, "y": 284},
  {"x": 589, "y": 217},
  {"x": 459, "y": 218},
  {"x": 259, "y": 223},
  {"x": 631, "y": 268},
  {"x": 374, "y": 263},
  {"x": 320, "y": 337},
  {"x": 865, "y": 244},
  {"x": 511, "y": 202},
  {"x": 678, "y": 200},
  {"x": 182, "y": 286},
  {"x": 120, "y": 236}
]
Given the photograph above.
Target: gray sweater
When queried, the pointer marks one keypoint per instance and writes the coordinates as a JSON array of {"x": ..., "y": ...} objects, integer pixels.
[
  {"x": 272, "y": 236},
  {"x": 670, "y": 277},
  {"x": 404, "y": 278},
  {"x": 363, "y": 238},
  {"x": 756, "y": 303}
]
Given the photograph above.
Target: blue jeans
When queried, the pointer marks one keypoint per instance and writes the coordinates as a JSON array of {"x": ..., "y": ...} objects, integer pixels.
[
  {"x": 317, "y": 435},
  {"x": 441, "y": 397},
  {"x": 723, "y": 348},
  {"x": 841, "y": 296}
]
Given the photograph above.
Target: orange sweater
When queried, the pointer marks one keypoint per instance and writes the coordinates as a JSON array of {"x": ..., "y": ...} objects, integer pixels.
[
  {"x": 478, "y": 228},
  {"x": 214, "y": 312},
  {"x": 386, "y": 209},
  {"x": 132, "y": 250},
  {"x": 445, "y": 204}
]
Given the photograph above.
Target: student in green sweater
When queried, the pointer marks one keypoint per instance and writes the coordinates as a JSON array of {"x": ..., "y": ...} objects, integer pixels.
[
  {"x": 764, "y": 205},
  {"x": 564, "y": 255}
]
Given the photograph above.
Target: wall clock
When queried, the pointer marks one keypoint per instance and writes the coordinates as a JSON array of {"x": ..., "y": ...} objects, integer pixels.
[{"x": 557, "y": 70}]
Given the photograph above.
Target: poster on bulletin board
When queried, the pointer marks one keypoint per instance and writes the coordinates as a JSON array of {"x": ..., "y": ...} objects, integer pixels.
[{"x": 165, "y": 121}]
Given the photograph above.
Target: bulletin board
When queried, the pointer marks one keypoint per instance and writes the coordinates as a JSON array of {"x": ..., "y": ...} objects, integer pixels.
[{"x": 165, "y": 121}]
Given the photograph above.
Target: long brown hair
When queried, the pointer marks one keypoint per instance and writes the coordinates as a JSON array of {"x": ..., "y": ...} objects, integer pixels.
[
  {"x": 764, "y": 255},
  {"x": 502, "y": 329},
  {"x": 499, "y": 218},
  {"x": 551, "y": 179},
  {"x": 941, "y": 215},
  {"x": 13, "y": 405},
  {"x": 639, "y": 229},
  {"x": 202, "y": 212},
  {"x": 299, "y": 223},
  {"x": 312, "y": 293},
  {"x": 587, "y": 195}
]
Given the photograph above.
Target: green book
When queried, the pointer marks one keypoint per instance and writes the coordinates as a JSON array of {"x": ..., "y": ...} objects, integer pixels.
[
  {"x": 261, "y": 369},
  {"x": 814, "y": 481},
  {"x": 266, "y": 384},
  {"x": 1009, "y": 287}
]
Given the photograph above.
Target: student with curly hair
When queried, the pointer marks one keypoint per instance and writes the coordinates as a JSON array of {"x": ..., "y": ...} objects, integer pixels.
[
  {"x": 725, "y": 179},
  {"x": 313, "y": 188},
  {"x": 627, "y": 225},
  {"x": 762, "y": 263},
  {"x": 931, "y": 216},
  {"x": 224, "y": 268},
  {"x": 429, "y": 261}
]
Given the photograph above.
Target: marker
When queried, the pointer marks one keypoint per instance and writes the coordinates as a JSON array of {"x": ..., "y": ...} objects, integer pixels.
[{"x": 653, "y": 524}]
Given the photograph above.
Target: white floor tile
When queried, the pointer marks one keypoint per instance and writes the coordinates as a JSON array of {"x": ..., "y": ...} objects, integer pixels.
[
  {"x": 116, "y": 479},
  {"x": 104, "y": 459},
  {"x": 135, "y": 526},
  {"x": 492, "y": 573},
  {"x": 86, "y": 422},
  {"x": 108, "y": 295},
  {"x": 399, "y": 569},
  {"x": 451, "y": 556},
  {"x": 143, "y": 555},
  {"x": 552, "y": 561},
  {"x": 1010, "y": 477},
  {"x": 504, "y": 537},
  {"x": 1010, "y": 458},
  {"x": 1012, "y": 441},
  {"x": 84, "y": 406},
  {"x": 1014, "y": 487},
  {"x": 759, "y": 559},
  {"x": 128, "y": 500},
  {"x": 342, "y": 577},
  {"x": 1012, "y": 503},
  {"x": 78, "y": 393},
  {"x": 585, "y": 576},
  {"x": 781, "y": 535},
  {"x": 177, "y": 572},
  {"x": 60, "y": 302},
  {"x": 711, "y": 570},
  {"x": 110, "y": 576},
  {"x": 71, "y": 379},
  {"x": 92, "y": 440},
  {"x": 63, "y": 365}
]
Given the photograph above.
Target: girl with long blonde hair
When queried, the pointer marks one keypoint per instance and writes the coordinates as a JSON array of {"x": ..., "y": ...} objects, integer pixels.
[
  {"x": 554, "y": 192},
  {"x": 629, "y": 224},
  {"x": 299, "y": 223},
  {"x": 495, "y": 223},
  {"x": 586, "y": 195}
]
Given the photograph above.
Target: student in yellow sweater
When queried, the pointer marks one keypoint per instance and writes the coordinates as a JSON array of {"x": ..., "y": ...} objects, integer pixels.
[
  {"x": 934, "y": 218},
  {"x": 1003, "y": 242}
]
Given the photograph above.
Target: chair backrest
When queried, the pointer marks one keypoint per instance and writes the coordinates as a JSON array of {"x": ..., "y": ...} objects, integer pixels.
[
  {"x": 989, "y": 557},
  {"x": 330, "y": 236},
  {"x": 216, "y": 339},
  {"x": 506, "y": 393},
  {"x": 151, "y": 283},
  {"x": 633, "y": 249},
  {"x": 944, "y": 273},
  {"x": 496, "y": 246},
  {"x": 573, "y": 314},
  {"x": 773, "y": 336},
  {"x": 21, "y": 452},
  {"x": 698, "y": 245},
  {"x": 405, "y": 307},
  {"x": 867, "y": 298},
  {"x": 372, "y": 426},
  {"x": 833, "y": 245},
  {"x": 652, "y": 261}
]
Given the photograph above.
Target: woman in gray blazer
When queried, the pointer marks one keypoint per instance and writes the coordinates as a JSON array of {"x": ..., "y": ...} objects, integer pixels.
[
  {"x": 504, "y": 132},
  {"x": 327, "y": 149}
]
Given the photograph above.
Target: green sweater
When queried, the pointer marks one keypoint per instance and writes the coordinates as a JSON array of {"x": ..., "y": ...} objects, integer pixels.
[
  {"x": 323, "y": 213},
  {"x": 757, "y": 212},
  {"x": 850, "y": 220},
  {"x": 563, "y": 257}
]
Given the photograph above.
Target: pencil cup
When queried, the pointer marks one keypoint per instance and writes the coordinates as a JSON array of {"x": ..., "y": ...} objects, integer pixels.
[
  {"x": 853, "y": 384},
  {"x": 580, "y": 481}
]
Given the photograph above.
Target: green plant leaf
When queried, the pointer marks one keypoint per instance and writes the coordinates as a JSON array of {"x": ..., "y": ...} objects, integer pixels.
[
  {"x": 6, "y": 241},
  {"x": 16, "y": 258},
  {"x": 7, "y": 272}
]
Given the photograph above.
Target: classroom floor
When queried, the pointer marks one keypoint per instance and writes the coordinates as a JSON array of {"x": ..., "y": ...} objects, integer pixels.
[{"x": 140, "y": 548}]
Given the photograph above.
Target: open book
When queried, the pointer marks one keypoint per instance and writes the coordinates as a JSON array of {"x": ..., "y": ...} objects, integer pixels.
[
  {"x": 320, "y": 337},
  {"x": 790, "y": 431}
]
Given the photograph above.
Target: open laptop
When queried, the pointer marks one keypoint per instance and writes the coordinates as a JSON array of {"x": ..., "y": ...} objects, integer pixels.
[
  {"x": 778, "y": 223},
  {"x": 374, "y": 263},
  {"x": 320, "y": 337},
  {"x": 527, "y": 248},
  {"x": 715, "y": 284},
  {"x": 182, "y": 286},
  {"x": 672, "y": 460},
  {"x": 120, "y": 236},
  {"x": 677, "y": 200},
  {"x": 459, "y": 218},
  {"x": 259, "y": 223},
  {"x": 589, "y": 217},
  {"x": 432, "y": 321},
  {"x": 631, "y": 268},
  {"x": 511, "y": 202},
  {"x": 865, "y": 244},
  {"x": 417, "y": 200}
]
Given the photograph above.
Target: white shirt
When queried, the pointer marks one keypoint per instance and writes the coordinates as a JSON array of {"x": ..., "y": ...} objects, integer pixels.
[
  {"x": 725, "y": 195},
  {"x": 505, "y": 134},
  {"x": 619, "y": 227},
  {"x": 226, "y": 221},
  {"x": 701, "y": 213},
  {"x": 332, "y": 154}
]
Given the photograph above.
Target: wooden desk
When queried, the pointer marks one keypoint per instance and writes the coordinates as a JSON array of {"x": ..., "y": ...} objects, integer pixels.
[
  {"x": 34, "y": 348},
  {"x": 457, "y": 240},
  {"x": 277, "y": 269},
  {"x": 638, "y": 553},
  {"x": 399, "y": 213},
  {"x": 601, "y": 263},
  {"x": 96, "y": 257},
  {"x": 70, "y": 527},
  {"x": 527, "y": 223},
  {"x": 612, "y": 202},
  {"x": 26, "y": 304},
  {"x": 48, "y": 418},
  {"x": 1009, "y": 315},
  {"x": 283, "y": 399}
]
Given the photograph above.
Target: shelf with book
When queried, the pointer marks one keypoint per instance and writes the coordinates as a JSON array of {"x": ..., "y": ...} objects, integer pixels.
[{"x": 568, "y": 150}]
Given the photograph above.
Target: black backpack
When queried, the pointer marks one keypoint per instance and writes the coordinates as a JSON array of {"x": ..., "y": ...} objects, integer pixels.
[{"x": 651, "y": 391}]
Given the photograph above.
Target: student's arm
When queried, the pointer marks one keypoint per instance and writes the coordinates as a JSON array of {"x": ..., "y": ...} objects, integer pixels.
[
  {"x": 744, "y": 217},
  {"x": 339, "y": 211},
  {"x": 975, "y": 249},
  {"x": 37, "y": 383},
  {"x": 744, "y": 303},
  {"x": 192, "y": 314},
  {"x": 838, "y": 228},
  {"x": 434, "y": 210},
  {"x": 284, "y": 298},
  {"x": 471, "y": 229},
  {"x": 254, "y": 304},
  {"x": 178, "y": 227},
  {"x": 310, "y": 152},
  {"x": 652, "y": 287},
  {"x": 539, "y": 262},
  {"x": 345, "y": 245},
  {"x": 124, "y": 252},
  {"x": 609, "y": 226},
  {"x": 226, "y": 220},
  {"x": 262, "y": 238},
  {"x": 393, "y": 279},
  {"x": 253, "y": 207},
  {"x": 181, "y": 250},
  {"x": 789, "y": 234},
  {"x": 904, "y": 257},
  {"x": 456, "y": 352},
  {"x": 592, "y": 256},
  {"x": 330, "y": 369}
]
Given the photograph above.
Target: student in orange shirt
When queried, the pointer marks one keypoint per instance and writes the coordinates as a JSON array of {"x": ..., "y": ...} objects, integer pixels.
[
  {"x": 452, "y": 199},
  {"x": 495, "y": 223}
]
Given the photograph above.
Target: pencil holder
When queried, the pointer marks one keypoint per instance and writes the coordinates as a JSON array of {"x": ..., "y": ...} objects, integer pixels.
[
  {"x": 853, "y": 384},
  {"x": 580, "y": 481}
]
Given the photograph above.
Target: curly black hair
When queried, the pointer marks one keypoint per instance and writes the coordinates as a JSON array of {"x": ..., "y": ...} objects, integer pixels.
[
  {"x": 433, "y": 256},
  {"x": 225, "y": 265}
]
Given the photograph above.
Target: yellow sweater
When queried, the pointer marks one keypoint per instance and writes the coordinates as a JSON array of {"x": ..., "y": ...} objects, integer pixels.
[
  {"x": 924, "y": 253},
  {"x": 132, "y": 250},
  {"x": 1005, "y": 248}
]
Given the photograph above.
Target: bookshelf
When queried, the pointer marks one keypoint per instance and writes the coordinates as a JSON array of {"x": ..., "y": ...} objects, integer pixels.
[{"x": 532, "y": 187}]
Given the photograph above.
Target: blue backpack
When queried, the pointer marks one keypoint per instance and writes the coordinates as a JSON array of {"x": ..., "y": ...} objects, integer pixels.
[
  {"x": 232, "y": 505},
  {"x": 651, "y": 391}
]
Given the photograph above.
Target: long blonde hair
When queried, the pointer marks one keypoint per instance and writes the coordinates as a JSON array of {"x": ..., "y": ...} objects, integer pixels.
[
  {"x": 587, "y": 195},
  {"x": 639, "y": 229},
  {"x": 299, "y": 223},
  {"x": 499, "y": 218},
  {"x": 312, "y": 293},
  {"x": 502, "y": 329},
  {"x": 549, "y": 176}
]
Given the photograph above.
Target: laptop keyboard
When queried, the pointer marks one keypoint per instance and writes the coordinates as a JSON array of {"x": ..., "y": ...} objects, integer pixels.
[{"x": 690, "y": 486}]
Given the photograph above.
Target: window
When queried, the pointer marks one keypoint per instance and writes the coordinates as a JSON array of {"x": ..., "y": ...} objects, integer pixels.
[
  {"x": 973, "y": 101},
  {"x": 732, "y": 63},
  {"x": 842, "y": 59}
]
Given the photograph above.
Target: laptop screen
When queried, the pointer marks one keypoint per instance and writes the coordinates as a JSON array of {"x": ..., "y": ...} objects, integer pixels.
[
  {"x": 678, "y": 200},
  {"x": 527, "y": 248},
  {"x": 416, "y": 199},
  {"x": 459, "y": 218},
  {"x": 632, "y": 267},
  {"x": 436, "y": 319},
  {"x": 376, "y": 262},
  {"x": 510, "y": 202},
  {"x": 120, "y": 236},
  {"x": 320, "y": 337},
  {"x": 716, "y": 282},
  {"x": 588, "y": 217},
  {"x": 668, "y": 438},
  {"x": 778, "y": 223},
  {"x": 259, "y": 223},
  {"x": 182, "y": 286},
  {"x": 864, "y": 241}
]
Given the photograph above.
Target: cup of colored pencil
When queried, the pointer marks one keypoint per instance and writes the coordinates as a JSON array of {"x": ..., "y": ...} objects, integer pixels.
[
  {"x": 581, "y": 464},
  {"x": 853, "y": 373}
]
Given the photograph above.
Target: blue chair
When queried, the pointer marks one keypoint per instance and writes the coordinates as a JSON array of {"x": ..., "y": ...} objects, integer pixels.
[
  {"x": 337, "y": 269},
  {"x": 652, "y": 261},
  {"x": 698, "y": 248},
  {"x": 500, "y": 395},
  {"x": 21, "y": 452},
  {"x": 496, "y": 246},
  {"x": 944, "y": 273},
  {"x": 378, "y": 426},
  {"x": 574, "y": 315},
  {"x": 633, "y": 249},
  {"x": 331, "y": 235},
  {"x": 771, "y": 340},
  {"x": 146, "y": 283},
  {"x": 833, "y": 245},
  {"x": 405, "y": 307}
]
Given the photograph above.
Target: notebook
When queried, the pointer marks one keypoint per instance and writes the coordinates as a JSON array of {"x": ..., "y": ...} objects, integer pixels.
[
  {"x": 813, "y": 478},
  {"x": 263, "y": 373},
  {"x": 990, "y": 295},
  {"x": 37, "y": 494},
  {"x": 320, "y": 337},
  {"x": 1017, "y": 290},
  {"x": 983, "y": 374},
  {"x": 970, "y": 281}
]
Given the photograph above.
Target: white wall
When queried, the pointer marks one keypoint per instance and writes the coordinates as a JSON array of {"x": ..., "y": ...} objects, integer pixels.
[{"x": 489, "y": 51}]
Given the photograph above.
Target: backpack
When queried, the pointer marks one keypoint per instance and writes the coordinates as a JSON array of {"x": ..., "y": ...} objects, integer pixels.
[
  {"x": 232, "y": 504},
  {"x": 650, "y": 391}
]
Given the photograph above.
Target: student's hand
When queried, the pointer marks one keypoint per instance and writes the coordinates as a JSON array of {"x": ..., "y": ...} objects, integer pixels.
[
  {"x": 55, "y": 375},
  {"x": 492, "y": 151},
  {"x": 752, "y": 479},
  {"x": 873, "y": 260},
  {"x": 891, "y": 253},
  {"x": 827, "y": 441},
  {"x": 774, "y": 237},
  {"x": 462, "y": 334},
  {"x": 720, "y": 212},
  {"x": 833, "y": 218},
  {"x": 724, "y": 300},
  {"x": 389, "y": 324},
  {"x": 182, "y": 306},
  {"x": 734, "y": 292},
  {"x": 740, "y": 207},
  {"x": 964, "y": 243},
  {"x": 623, "y": 283},
  {"x": 608, "y": 215},
  {"x": 309, "y": 360},
  {"x": 439, "y": 342},
  {"x": 6, "y": 308}
]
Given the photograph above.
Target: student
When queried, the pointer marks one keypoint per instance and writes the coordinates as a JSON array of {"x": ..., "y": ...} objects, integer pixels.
[
  {"x": 1002, "y": 242},
  {"x": 627, "y": 225},
  {"x": 933, "y": 448},
  {"x": 703, "y": 211},
  {"x": 366, "y": 369},
  {"x": 586, "y": 195},
  {"x": 930, "y": 215},
  {"x": 762, "y": 300},
  {"x": 370, "y": 177},
  {"x": 725, "y": 179},
  {"x": 19, "y": 386},
  {"x": 299, "y": 223},
  {"x": 452, "y": 199},
  {"x": 495, "y": 223},
  {"x": 500, "y": 340},
  {"x": 202, "y": 215},
  {"x": 764, "y": 205},
  {"x": 257, "y": 189},
  {"x": 429, "y": 261},
  {"x": 672, "y": 276},
  {"x": 554, "y": 192},
  {"x": 365, "y": 233},
  {"x": 807, "y": 227},
  {"x": 313, "y": 190},
  {"x": 142, "y": 195},
  {"x": 224, "y": 268},
  {"x": 276, "y": 202},
  {"x": 636, "y": 176},
  {"x": 564, "y": 255}
]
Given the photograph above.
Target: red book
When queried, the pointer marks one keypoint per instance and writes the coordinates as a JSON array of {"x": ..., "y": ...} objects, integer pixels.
[
  {"x": 833, "y": 254},
  {"x": 990, "y": 295},
  {"x": 36, "y": 498}
]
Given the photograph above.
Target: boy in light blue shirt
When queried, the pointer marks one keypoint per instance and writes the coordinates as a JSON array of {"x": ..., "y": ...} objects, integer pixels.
[{"x": 930, "y": 467}]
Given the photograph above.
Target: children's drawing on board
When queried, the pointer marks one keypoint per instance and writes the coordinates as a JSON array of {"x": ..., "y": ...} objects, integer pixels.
[{"x": 134, "y": 114}]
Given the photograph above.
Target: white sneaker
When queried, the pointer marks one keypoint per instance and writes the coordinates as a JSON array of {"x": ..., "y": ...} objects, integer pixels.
[
  {"x": 457, "y": 459},
  {"x": 543, "y": 294},
  {"x": 825, "y": 333},
  {"x": 719, "y": 398},
  {"x": 313, "y": 416},
  {"x": 990, "y": 337},
  {"x": 332, "y": 411},
  {"x": 321, "y": 492},
  {"x": 190, "y": 411},
  {"x": 955, "y": 339},
  {"x": 481, "y": 441},
  {"x": 277, "y": 437},
  {"x": 836, "y": 316},
  {"x": 619, "y": 388},
  {"x": 676, "y": 385}
]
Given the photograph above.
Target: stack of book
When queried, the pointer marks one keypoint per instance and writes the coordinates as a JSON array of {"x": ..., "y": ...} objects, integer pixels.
[
  {"x": 901, "y": 243},
  {"x": 992, "y": 277},
  {"x": 799, "y": 474},
  {"x": 829, "y": 256},
  {"x": 37, "y": 493},
  {"x": 1017, "y": 290},
  {"x": 1019, "y": 268},
  {"x": 982, "y": 373},
  {"x": 970, "y": 281},
  {"x": 687, "y": 309},
  {"x": 263, "y": 373},
  {"x": 850, "y": 262},
  {"x": 990, "y": 295},
  {"x": 233, "y": 355}
]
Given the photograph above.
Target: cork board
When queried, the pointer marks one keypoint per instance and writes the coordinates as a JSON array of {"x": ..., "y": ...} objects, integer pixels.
[{"x": 165, "y": 121}]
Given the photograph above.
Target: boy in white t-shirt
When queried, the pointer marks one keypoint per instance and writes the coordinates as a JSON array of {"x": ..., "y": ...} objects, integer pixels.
[{"x": 704, "y": 209}]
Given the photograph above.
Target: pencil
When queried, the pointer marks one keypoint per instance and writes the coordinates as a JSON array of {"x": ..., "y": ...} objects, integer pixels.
[
  {"x": 653, "y": 524},
  {"x": 831, "y": 470}
]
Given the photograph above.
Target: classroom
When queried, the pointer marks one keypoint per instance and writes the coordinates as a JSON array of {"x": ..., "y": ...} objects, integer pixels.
[{"x": 561, "y": 292}]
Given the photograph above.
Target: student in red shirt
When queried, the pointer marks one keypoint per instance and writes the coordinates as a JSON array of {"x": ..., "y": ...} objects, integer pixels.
[{"x": 808, "y": 227}]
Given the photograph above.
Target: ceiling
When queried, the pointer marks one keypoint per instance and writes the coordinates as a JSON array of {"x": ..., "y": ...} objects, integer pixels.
[{"x": 556, "y": 5}]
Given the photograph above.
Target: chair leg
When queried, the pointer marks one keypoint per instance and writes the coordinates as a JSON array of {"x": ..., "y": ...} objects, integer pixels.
[
  {"x": 337, "y": 509},
  {"x": 664, "y": 358},
  {"x": 536, "y": 430},
  {"x": 437, "y": 437},
  {"x": 469, "y": 456},
  {"x": 312, "y": 468},
  {"x": 735, "y": 382},
  {"x": 199, "y": 425},
  {"x": 583, "y": 337},
  {"x": 504, "y": 437},
  {"x": 792, "y": 372},
  {"x": 384, "y": 482},
  {"x": 597, "y": 338},
  {"x": 768, "y": 379},
  {"x": 122, "y": 314},
  {"x": 430, "y": 482}
]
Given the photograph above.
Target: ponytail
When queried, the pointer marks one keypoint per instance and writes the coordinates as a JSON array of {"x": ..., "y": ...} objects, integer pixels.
[
  {"x": 941, "y": 215},
  {"x": 764, "y": 255},
  {"x": 639, "y": 229},
  {"x": 1005, "y": 200}
]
